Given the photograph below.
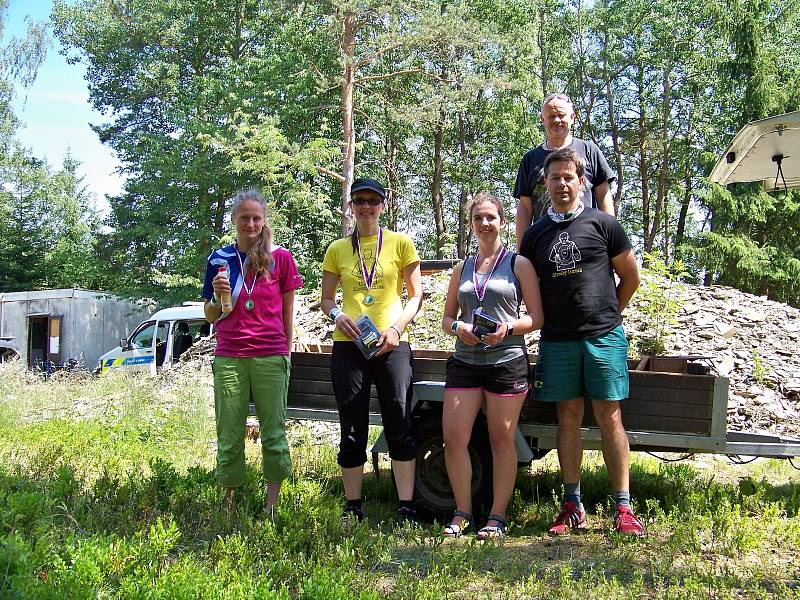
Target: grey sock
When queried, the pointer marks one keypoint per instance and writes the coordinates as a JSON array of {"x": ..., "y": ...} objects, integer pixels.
[
  {"x": 622, "y": 498},
  {"x": 572, "y": 493}
]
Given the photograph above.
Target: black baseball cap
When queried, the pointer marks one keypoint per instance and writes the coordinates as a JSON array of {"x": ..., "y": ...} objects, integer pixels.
[{"x": 366, "y": 183}]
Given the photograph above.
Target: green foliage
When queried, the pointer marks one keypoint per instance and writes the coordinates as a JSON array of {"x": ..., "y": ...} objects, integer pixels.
[
  {"x": 301, "y": 216},
  {"x": 51, "y": 234},
  {"x": 660, "y": 302},
  {"x": 48, "y": 228},
  {"x": 752, "y": 240},
  {"x": 192, "y": 104},
  {"x": 760, "y": 371},
  {"x": 122, "y": 502},
  {"x": 753, "y": 243},
  {"x": 446, "y": 101}
]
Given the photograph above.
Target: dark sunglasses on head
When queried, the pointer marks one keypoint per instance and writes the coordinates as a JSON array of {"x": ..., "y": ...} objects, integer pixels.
[{"x": 371, "y": 201}]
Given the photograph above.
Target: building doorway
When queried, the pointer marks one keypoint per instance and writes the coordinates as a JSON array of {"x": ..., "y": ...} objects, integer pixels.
[
  {"x": 37, "y": 341},
  {"x": 44, "y": 340}
]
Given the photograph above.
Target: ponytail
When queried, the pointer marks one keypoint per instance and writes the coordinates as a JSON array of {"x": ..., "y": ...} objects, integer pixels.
[{"x": 260, "y": 252}]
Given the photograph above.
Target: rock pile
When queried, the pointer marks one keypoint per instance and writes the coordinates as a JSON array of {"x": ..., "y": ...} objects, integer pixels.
[{"x": 749, "y": 339}]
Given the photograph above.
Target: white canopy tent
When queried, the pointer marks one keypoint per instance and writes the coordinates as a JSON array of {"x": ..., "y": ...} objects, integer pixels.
[{"x": 767, "y": 150}]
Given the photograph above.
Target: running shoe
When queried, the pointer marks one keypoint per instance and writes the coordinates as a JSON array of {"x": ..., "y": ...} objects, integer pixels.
[
  {"x": 352, "y": 514},
  {"x": 627, "y": 523},
  {"x": 405, "y": 516},
  {"x": 571, "y": 518}
]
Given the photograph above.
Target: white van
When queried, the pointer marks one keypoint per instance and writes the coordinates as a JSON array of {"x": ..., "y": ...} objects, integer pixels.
[{"x": 159, "y": 341}]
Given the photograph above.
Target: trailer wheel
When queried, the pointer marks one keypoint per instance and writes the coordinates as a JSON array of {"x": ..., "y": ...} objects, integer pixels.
[{"x": 432, "y": 490}]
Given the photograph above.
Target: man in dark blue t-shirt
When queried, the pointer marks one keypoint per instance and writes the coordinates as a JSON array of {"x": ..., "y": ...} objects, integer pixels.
[
  {"x": 558, "y": 116},
  {"x": 576, "y": 251}
]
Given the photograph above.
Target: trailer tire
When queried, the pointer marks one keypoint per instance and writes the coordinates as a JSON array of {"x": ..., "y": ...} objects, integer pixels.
[{"x": 432, "y": 490}]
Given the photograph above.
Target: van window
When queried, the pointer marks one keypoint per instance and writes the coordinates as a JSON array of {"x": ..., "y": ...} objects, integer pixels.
[
  {"x": 186, "y": 334},
  {"x": 161, "y": 342},
  {"x": 143, "y": 339}
]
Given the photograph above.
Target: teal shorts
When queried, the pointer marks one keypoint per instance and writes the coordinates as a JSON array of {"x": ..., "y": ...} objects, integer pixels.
[{"x": 595, "y": 367}]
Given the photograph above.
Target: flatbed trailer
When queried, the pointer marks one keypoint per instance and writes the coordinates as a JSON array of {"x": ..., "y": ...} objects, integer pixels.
[{"x": 683, "y": 411}]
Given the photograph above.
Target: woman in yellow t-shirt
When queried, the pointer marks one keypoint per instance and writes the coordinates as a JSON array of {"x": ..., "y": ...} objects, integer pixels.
[{"x": 371, "y": 266}]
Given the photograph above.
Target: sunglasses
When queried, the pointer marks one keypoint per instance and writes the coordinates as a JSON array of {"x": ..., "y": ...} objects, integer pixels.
[{"x": 371, "y": 201}]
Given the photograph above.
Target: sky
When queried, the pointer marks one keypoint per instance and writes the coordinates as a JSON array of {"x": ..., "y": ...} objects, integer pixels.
[{"x": 55, "y": 112}]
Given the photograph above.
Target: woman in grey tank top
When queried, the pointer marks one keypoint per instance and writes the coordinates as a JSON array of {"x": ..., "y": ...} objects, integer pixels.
[{"x": 484, "y": 298}]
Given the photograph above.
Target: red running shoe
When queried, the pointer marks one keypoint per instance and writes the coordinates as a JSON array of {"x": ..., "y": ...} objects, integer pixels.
[
  {"x": 569, "y": 519},
  {"x": 627, "y": 523}
]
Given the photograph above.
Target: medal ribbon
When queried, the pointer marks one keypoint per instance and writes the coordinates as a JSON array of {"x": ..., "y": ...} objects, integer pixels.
[
  {"x": 480, "y": 290},
  {"x": 368, "y": 277},
  {"x": 248, "y": 291}
]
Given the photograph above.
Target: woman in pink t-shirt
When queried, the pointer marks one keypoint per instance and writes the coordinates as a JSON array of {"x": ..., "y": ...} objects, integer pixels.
[{"x": 254, "y": 340}]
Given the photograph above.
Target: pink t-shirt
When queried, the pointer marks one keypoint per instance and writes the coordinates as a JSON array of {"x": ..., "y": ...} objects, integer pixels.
[{"x": 259, "y": 332}]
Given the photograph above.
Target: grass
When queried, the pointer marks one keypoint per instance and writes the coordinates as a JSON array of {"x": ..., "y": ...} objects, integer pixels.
[{"x": 107, "y": 491}]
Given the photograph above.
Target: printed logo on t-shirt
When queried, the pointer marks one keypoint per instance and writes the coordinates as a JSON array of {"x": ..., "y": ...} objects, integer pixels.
[
  {"x": 566, "y": 255},
  {"x": 369, "y": 260}
]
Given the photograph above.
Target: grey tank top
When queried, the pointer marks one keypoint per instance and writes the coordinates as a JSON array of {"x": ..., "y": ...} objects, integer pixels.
[{"x": 501, "y": 302}]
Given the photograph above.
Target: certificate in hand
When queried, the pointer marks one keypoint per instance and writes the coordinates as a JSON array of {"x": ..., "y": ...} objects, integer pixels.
[
  {"x": 367, "y": 342},
  {"x": 483, "y": 324}
]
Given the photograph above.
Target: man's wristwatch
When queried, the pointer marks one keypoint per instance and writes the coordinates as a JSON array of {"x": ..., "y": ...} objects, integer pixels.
[
  {"x": 510, "y": 329},
  {"x": 454, "y": 327},
  {"x": 334, "y": 314}
]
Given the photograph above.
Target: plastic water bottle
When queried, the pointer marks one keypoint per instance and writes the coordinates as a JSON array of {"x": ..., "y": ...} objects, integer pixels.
[{"x": 225, "y": 300}]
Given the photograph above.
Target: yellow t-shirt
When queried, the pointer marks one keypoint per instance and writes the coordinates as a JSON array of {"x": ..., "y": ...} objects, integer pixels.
[{"x": 397, "y": 252}]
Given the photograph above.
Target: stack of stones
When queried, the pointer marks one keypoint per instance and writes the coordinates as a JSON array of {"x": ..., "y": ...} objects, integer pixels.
[{"x": 750, "y": 340}]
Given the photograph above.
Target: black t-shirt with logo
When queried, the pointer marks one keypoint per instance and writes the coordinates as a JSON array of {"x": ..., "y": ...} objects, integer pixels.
[
  {"x": 573, "y": 261},
  {"x": 530, "y": 176}
]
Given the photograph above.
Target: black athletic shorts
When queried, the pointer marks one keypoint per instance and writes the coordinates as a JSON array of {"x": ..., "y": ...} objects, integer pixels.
[{"x": 509, "y": 378}]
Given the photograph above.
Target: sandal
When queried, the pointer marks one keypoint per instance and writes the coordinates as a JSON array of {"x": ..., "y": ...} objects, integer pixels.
[
  {"x": 454, "y": 530},
  {"x": 493, "y": 531}
]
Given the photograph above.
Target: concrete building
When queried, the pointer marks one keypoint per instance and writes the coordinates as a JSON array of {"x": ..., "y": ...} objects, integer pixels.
[{"x": 59, "y": 325}]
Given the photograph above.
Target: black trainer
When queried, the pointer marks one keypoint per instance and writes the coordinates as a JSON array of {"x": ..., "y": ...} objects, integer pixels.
[
  {"x": 351, "y": 513},
  {"x": 406, "y": 515}
]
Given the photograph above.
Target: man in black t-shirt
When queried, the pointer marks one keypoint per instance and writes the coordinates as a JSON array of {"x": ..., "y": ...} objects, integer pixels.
[
  {"x": 576, "y": 251},
  {"x": 558, "y": 116}
]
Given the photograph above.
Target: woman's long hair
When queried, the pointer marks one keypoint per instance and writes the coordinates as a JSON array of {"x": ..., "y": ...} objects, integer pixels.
[{"x": 260, "y": 253}]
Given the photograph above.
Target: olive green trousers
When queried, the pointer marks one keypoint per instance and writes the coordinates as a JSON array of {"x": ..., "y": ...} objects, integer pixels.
[{"x": 264, "y": 380}]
